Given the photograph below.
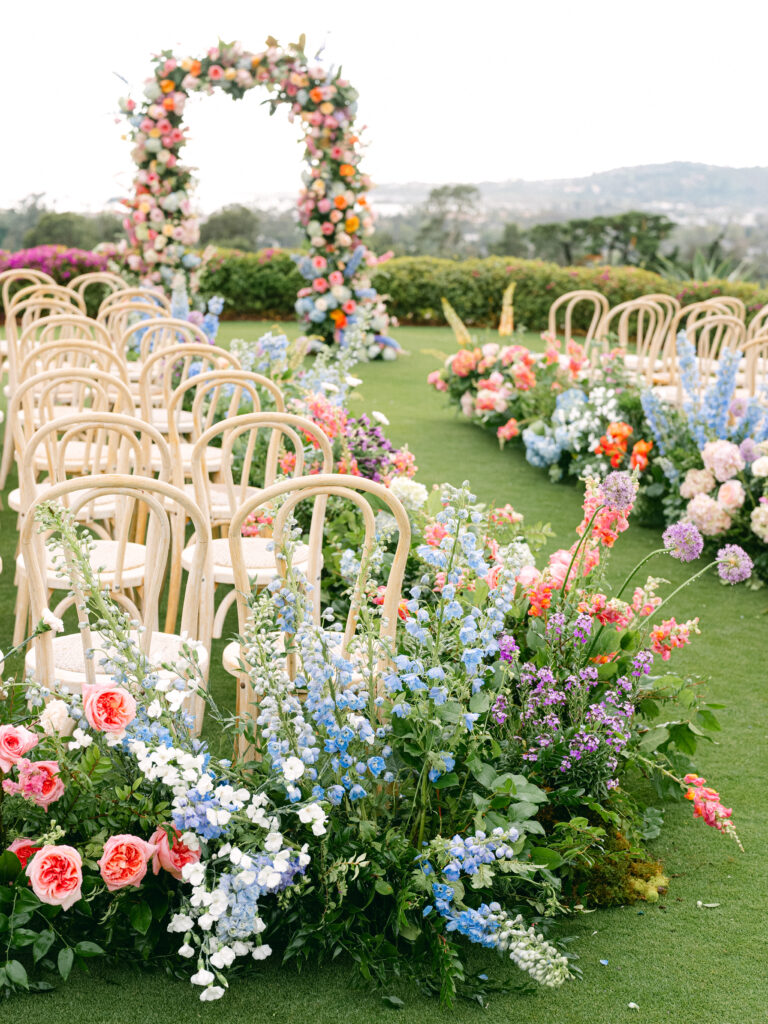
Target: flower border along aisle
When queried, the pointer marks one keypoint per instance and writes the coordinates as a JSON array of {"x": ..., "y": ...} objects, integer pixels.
[
  {"x": 333, "y": 207},
  {"x": 453, "y": 782}
]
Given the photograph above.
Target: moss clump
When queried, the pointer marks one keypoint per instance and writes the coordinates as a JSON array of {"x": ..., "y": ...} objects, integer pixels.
[{"x": 619, "y": 876}]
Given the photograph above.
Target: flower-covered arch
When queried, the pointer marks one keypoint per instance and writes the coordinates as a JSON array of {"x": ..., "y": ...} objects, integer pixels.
[{"x": 162, "y": 227}]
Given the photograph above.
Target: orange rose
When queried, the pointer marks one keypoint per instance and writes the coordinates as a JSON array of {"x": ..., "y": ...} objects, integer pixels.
[
  {"x": 346, "y": 170},
  {"x": 168, "y": 103},
  {"x": 340, "y": 203},
  {"x": 195, "y": 68},
  {"x": 167, "y": 85},
  {"x": 352, "y": 224},
  {"x": 316, "y": 95},
  {"x": 124, "y": 861}
]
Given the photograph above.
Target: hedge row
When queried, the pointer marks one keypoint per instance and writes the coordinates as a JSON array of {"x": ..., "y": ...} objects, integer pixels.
[{"x": 264, "y": 285}]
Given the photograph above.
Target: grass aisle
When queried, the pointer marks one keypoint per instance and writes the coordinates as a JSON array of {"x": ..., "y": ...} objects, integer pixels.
[{"x": 679, "y": 963}]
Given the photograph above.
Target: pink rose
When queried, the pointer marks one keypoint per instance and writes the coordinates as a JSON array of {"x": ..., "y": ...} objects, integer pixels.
[
  {"x": 108, "y": 708},
  {"x": 38, "y": 781},
  {"x": 56, "y": 874},
  {"x": 436, "y": 380},
  {"x": 320, "y": 284},
  {"x": 24, "y": 850},
  {"x": 124, "y": 861},
  {"x": 528, "y": 576},
  {"x": 15, "y": 741},
  {"x": 731, "y": 495},
  {"x": 335, "y": 278},
  {"x": 215, "y": 72},
  {"x": 324, "y": 205},
  {"x": 172, "y": 857}
]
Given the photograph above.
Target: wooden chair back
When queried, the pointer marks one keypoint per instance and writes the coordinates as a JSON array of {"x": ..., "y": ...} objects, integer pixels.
[
  {"x": 568, "y": 304},
  {"x": 167, "y": 369}
]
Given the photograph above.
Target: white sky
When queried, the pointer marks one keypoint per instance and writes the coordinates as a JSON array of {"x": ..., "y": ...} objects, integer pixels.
[{"x": 450, "y": 91}]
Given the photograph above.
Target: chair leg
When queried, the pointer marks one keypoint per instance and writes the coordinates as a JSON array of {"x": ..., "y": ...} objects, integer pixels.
[
  {"x": 7, "y": 460},
  {"x": 221, "y": 612},
  {"x": 21, "y": 620}
]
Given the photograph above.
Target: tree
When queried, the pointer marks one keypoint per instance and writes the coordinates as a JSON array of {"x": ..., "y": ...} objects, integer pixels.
[
  {"x": 513, "y": 242},
  {"x": 627, "y": 239},
  {"x": 79, "y": 230},
  {"x": 446, "y": 214},
  {"x": 234, "y": 227},
  {"x": 16, "y": 222}
]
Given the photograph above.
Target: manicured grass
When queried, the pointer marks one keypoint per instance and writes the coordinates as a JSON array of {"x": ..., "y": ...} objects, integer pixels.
[{"x": 679, "y": 963}]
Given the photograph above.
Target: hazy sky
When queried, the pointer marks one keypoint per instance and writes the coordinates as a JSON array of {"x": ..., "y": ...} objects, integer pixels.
[{"x": 449, "y": 91}]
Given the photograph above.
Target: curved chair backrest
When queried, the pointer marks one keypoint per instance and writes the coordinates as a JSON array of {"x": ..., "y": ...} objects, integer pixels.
[
  {"x": 755, "y": 352},
  {"x": 238, "y": 437},
  {"x": 9, "y": 278},
  {"x": 105, "y": 278},
  {"x": 59, "y": 326},
  {"x": 32, "y": 303},
  {"x": 758, "y": 324},
  {"x": 72, "y": 352},
  {"x": 148, "y": 336},
  {"x": 218, "y": 395},
  {"x": 318, "y": 489},
  {"x": 710, "y": 335},
  {"x": 81, "y": 390},
  {"x": 637, "y": 322},
  {"x": 160, "y": 501},
  {"x": 165, "y": 370},
  {"x": 149, "y": 296},
  {"x": 570, "y": 301},
  {"x": 118, "y": 317}
]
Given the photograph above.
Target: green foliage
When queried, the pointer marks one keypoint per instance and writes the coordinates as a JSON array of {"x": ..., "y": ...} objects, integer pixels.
[
  {"x": 632, "y": 238},
  {"x": 264, "y": 285},
  {"x": 234, "y": 226},
  {"x": 75, "y": 229}
]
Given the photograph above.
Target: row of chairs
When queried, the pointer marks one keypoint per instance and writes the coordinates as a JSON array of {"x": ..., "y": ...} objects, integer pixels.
[
  {"x": 154, "y": 466},
  {"x": 647, "y": 329}
]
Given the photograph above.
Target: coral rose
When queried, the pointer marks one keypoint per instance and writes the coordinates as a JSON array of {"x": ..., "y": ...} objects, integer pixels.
[
  {"x": 24, "y": 850},
  {"x": 56, "y": 874},
  {"x": 108, "y": 708},
  {"x": 172, "y": 857},
  {"x": 15, "y": 741},
  {"x": 124, "y": 861}
]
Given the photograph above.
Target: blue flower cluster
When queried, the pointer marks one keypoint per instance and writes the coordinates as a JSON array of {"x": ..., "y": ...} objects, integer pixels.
[
  {"x": 243, "y": 891},
  {"x": 541, "y": 450},
  {"x": 201, "y": 812}
]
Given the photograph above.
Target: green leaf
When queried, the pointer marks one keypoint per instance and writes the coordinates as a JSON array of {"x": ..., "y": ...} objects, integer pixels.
[
  {"x": 393, "y": 1002},
  {"x": 88, "y": 949},
  {"x": 708, "y": 721},
  {"x": 16, "y": 973},
  {"x": 484, "y": 773},
  {"x": 445, "y": 781},
  {"x": 480, "y": 702},
  {"x": 383, "y": 887},
  {"x": 42, "y": 944},
  {"x": 654, "y": 738},
  {"x": 65, "y": 960},
  {"x": 23, "y": 937},
  {"x": 141, "y": 917},
  {"x": 10, "y": 867},
  {"x": 545, "y": 857}
]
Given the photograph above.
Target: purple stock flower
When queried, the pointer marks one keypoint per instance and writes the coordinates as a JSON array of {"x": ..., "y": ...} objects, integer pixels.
[
  {"x": 507, "y": 648},
  {"x": 618, "y": 491},
  {"x": 499, "y": 710},
  {"x": 683, "y": 541},
  {"x": 582, "y": 628},
  {"x": 641, "y": 666},
  {"x": 733, "y": 564}
]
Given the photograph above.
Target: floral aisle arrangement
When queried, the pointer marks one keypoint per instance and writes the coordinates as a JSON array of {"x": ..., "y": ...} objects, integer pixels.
[
  {"x": 332, "y": 206},
  {"x": 578, "y": 423},
  {"x": 400, "y": 801},
  {"x": 714, "y": 455}
]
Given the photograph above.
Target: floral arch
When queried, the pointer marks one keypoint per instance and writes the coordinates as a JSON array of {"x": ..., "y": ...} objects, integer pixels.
[{"x": 332, "y": 205}]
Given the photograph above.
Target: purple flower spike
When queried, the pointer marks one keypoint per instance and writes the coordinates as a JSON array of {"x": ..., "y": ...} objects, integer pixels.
[
  {"x": 733, "y": 564},
  {"x": 683, "y": 541}
]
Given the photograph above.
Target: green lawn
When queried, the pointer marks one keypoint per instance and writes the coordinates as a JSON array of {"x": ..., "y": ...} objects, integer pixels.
[{"x": 679, "y": 963}]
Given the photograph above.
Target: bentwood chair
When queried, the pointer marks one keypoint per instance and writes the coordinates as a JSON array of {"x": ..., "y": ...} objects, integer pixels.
[
  {"x": 84, "y": 656},
  {"x": 364, "y": 668},
  {"x": 245, "y": 467},
  {"x": 568, "y": 303},
  {"x": 108, "y": 443}
]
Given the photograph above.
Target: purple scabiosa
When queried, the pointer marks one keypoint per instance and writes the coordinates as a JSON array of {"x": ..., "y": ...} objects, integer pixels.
[
  {"x": 733, "y": 564},
  {"x": 618, "y": 491},
  {"x": 683, "y": 541}
]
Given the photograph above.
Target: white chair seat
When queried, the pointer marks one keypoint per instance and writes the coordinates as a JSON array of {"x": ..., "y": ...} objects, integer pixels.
[
  {"x": 259, "y": 560},
  {"x": 185, "y": 423},
  {"x": 103, "y": 561},
  {"x": 69, "y": 657},
  {"x": 104, "y": 507},
  {"x": 219, "y": 501},
  {"x": 213, "y": 459}
]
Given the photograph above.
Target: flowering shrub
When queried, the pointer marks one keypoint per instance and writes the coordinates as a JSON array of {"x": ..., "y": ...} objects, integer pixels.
[
  {"x": 714, "y": 456},
  {"x": 332, "y": 206},
  {"x": 60, "y": 262},
  {"x": 445, "y": 787}
]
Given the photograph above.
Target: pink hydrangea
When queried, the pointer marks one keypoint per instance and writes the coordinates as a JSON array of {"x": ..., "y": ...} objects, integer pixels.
[
  {"x": 709, "y": 517},
  {"x": 697, "y": 481},
  {"x": 759, "y": 520},
  {"x": 723, "y": 458},
  {"x": 731, "y": 495}
]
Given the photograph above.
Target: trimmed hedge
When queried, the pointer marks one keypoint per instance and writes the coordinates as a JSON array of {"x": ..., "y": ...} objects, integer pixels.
[{"x": 264, "y": 285}]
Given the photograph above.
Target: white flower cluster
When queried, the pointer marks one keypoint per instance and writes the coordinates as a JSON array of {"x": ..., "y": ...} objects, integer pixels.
[{"x": 530, "y": 951}]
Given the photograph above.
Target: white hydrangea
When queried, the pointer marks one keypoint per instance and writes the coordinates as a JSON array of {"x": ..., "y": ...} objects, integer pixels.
[{"x": 412, "y": 494}]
